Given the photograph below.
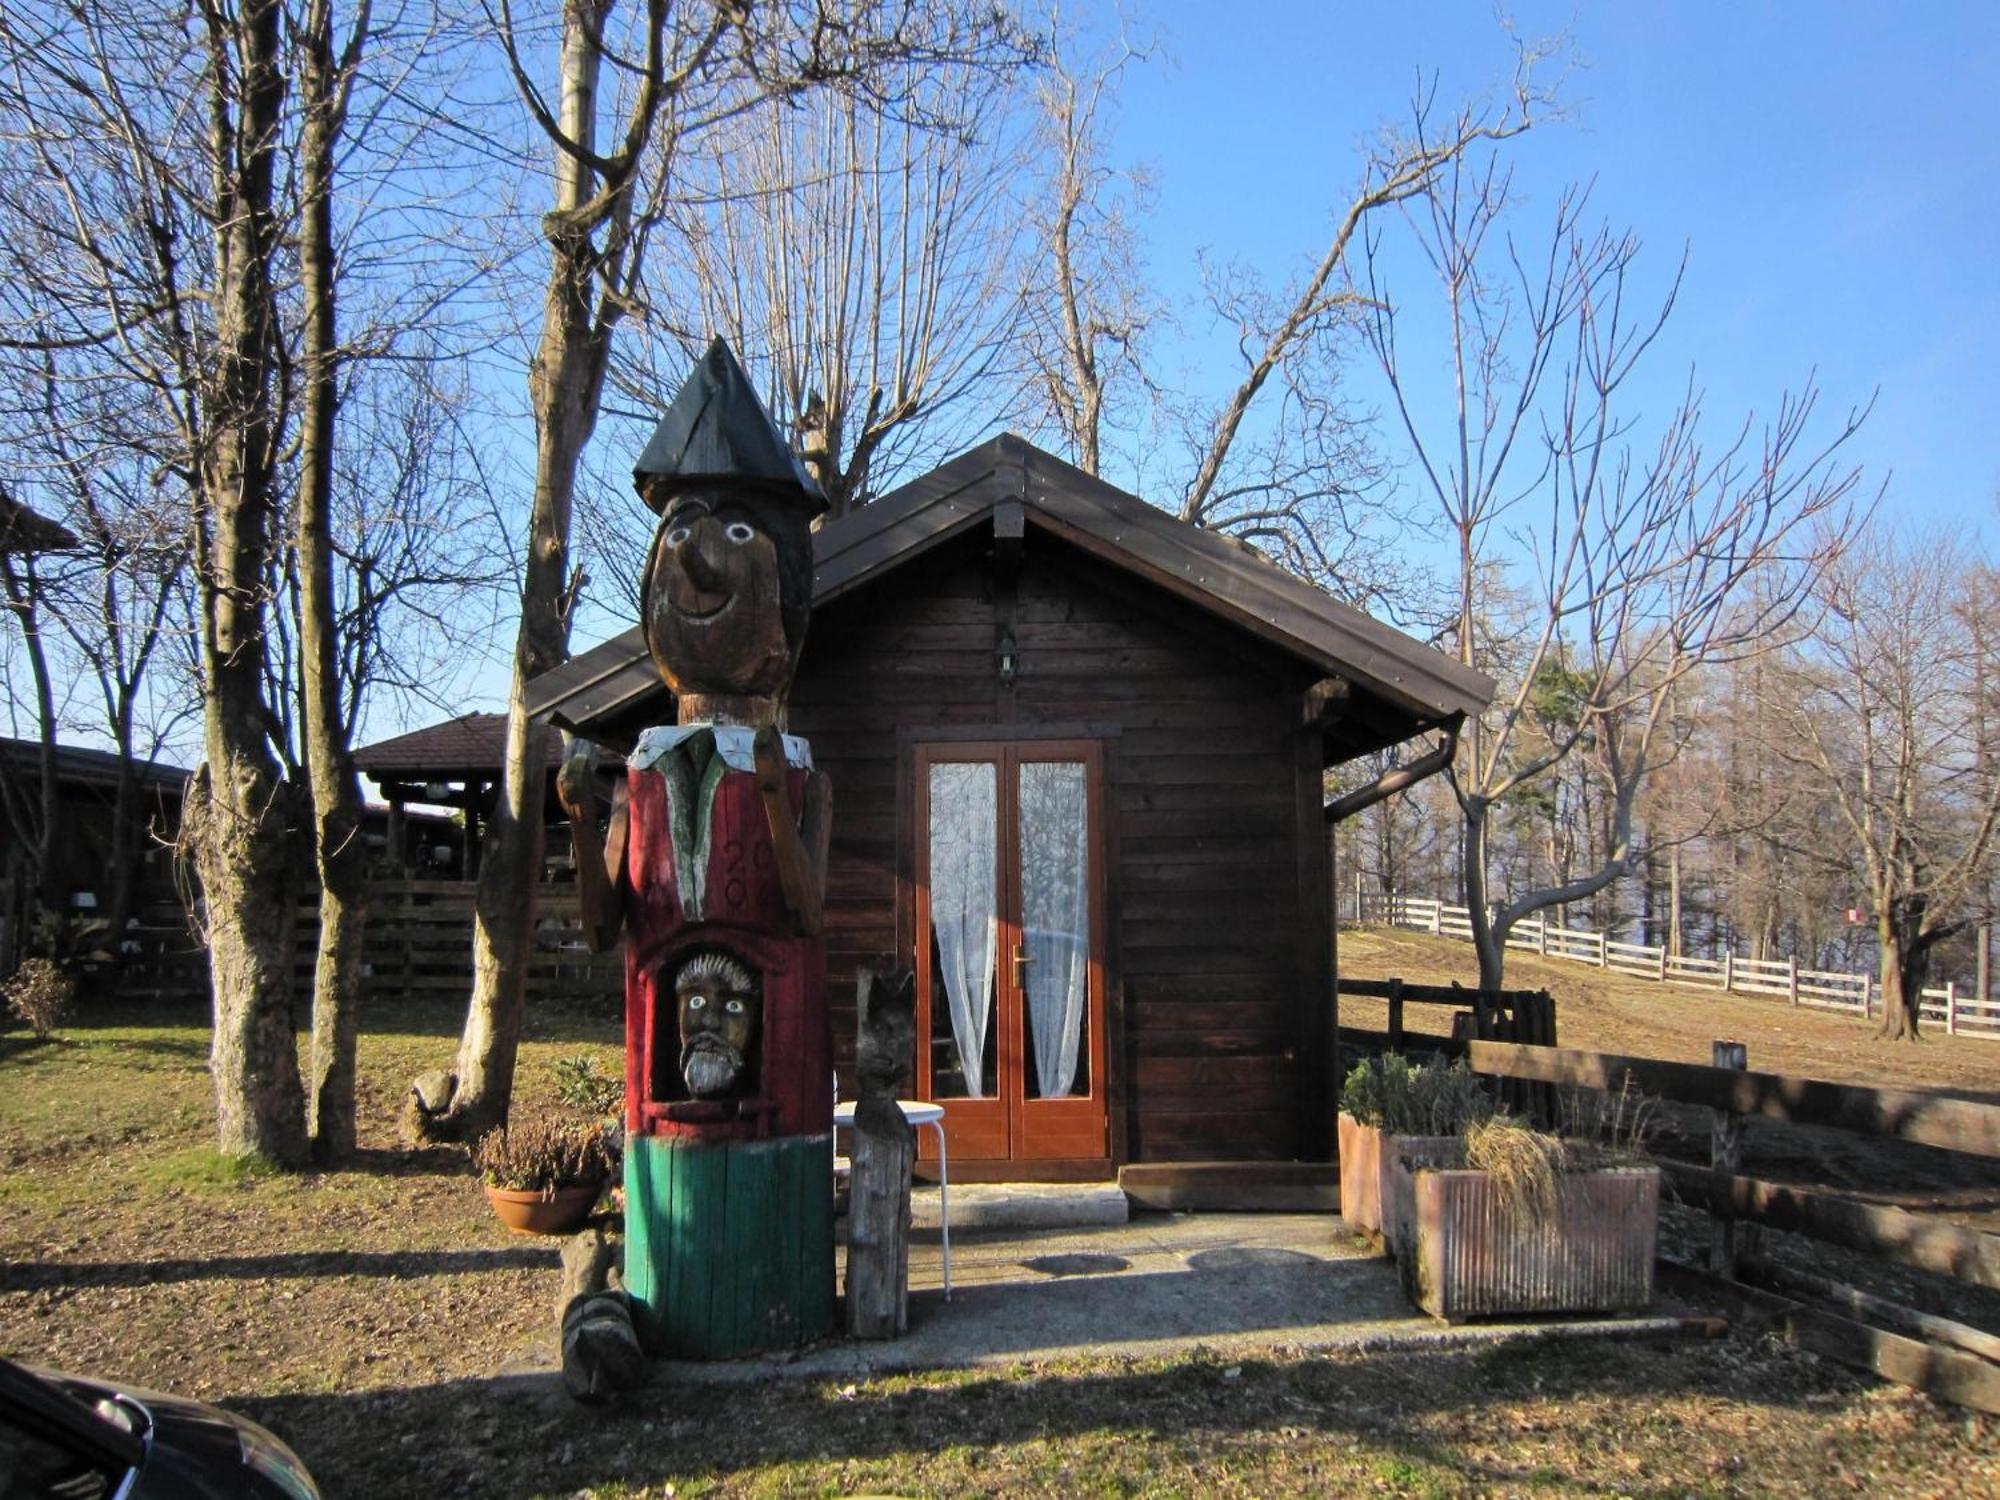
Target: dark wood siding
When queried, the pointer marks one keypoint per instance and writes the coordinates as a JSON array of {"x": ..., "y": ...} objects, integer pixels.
[{"x": 1212, "y": 887}]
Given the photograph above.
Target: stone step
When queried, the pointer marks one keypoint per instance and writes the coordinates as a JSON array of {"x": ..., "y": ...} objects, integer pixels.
[{"x": 1023, "y": 1205}]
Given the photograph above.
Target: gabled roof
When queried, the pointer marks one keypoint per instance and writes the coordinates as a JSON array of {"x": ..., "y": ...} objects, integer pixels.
[
  {"x": 1009, "y": 484},
  {"x": 471, "y": 745}
]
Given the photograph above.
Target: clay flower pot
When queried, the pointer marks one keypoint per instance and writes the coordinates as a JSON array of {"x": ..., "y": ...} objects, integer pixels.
[{"x": 530, "y": 1211}]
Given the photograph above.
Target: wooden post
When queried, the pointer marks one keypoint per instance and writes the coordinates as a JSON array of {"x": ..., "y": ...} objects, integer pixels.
[
  {"x": 1601, "y": 959},
  {"x": 1725, "y": 1155},
  {"x": 1951, "y": 1007},
  {"x": 1360, "y": 914},
  {"x": 1728, "y": 970},
  {"x": 885, "y": 1151},
  {"x": 1395, "y": 1015},
  {"x": 1661, "y": 972},
  {"x": 1437, "y": 919},
  {"x": 1792, "y": 976},
  {"x": 1542, "y": 936}
]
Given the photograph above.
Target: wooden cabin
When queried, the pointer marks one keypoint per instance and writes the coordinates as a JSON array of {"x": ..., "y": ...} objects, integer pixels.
[{"x": 1077, "y": 749}]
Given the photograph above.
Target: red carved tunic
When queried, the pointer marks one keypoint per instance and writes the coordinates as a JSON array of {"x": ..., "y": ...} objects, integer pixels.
[{"x": 701, "y": 873}]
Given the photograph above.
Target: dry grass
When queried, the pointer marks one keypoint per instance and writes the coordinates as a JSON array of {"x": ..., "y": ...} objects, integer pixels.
[
  {"x": 1526, "y": 1166},
  {"x": 378, "y": 1318}
]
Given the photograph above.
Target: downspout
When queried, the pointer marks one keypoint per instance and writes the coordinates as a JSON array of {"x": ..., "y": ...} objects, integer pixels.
[{"x": 1399, "y": 778}]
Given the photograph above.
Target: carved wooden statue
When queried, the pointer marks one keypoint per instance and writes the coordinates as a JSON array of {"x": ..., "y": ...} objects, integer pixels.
[
  {"x": 714, "y": 864},
  {"x": 885, "y": 1152}
]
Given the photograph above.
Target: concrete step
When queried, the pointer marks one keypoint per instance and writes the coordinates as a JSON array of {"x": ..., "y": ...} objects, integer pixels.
[{"x": 1023, "y": 1205}]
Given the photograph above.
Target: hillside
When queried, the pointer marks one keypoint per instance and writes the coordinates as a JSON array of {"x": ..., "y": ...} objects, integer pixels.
[{"x": 1609, "y": 1012}]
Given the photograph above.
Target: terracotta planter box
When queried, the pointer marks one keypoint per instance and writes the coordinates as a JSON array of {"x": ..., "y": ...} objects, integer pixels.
[
  {"x": 1471, "y": 1259},
  {"x": 1398, "y": 1192},
  {"x": 1360, "y": 1175},
  {"x": 1376, "y": 1196}
]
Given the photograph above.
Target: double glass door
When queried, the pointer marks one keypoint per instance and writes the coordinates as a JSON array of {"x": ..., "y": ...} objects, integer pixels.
[{"x": 1010, "y": 973}]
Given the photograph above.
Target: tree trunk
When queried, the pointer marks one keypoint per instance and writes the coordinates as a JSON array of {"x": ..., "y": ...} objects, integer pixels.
[
  {"x": 1905, "y": 959},
  {"x": 1490, "y": 945},
  {"x": 238, "y": 801},
  {"x": 339, "y": 849},
  {"x": 564, "y": 384}
]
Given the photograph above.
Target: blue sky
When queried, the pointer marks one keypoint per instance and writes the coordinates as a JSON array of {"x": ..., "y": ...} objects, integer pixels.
[{"x": 1832, "y": 171}]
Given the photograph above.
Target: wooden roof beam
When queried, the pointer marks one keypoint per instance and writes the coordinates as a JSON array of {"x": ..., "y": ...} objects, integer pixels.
[{"x": 1325, "y": 703}]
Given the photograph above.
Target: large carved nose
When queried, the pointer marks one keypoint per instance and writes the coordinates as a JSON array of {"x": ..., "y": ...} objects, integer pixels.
[{"x": 702, "y": 559}]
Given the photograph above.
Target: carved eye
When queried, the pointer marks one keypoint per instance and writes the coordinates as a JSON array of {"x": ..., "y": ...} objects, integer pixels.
[
  {"x": 678, "y": 536},
  {"x": 734, "y": 1007},
  {"x": 739, "y": 532},
  {"x": 697, "y": 1002}
]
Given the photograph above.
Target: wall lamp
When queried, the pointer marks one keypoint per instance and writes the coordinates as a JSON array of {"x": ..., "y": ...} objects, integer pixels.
[{"x": 1010, "y": 658}]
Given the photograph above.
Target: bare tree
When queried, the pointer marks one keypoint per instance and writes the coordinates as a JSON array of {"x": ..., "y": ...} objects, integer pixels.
[
  {"x": 864, "y": 259},
  {"x": 1881, "y": 709},
  {"x": 1649, "y": 562},
  {"x": 1087, "y": 305}
]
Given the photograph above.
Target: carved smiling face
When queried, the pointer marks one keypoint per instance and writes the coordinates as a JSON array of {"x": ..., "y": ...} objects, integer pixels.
[{"x": 726, "y": 589}]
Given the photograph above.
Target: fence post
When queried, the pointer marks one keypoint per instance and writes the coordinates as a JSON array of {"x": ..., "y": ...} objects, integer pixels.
[
  {"x": 1951, "y": 1007},
  {"x": 1725, "y": 1155},
  {"x": 1792, "y": 976},
  {"x": 1661, "y": 975},
  {"x": 1437, "y": 919},
  {"x": 1359, "y": 918},
  {"x": 1542, "y": 936},
  {"x": 1728, "y": 970},
  {"x": 1395, "y": 1015},
  {"x": 1600, "y": 950}
]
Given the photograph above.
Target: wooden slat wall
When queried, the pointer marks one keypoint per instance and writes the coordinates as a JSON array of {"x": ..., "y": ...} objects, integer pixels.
[{"x": 1207, "y": 922}]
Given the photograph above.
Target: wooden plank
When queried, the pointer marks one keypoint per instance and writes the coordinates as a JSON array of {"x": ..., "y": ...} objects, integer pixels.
[
  {"x": 1949, "y": 1374},
  {"x": 1968, "y": 1254},
  {"x": 1899, "y": 1114},
  {"x": 1852, "y": 1301}
]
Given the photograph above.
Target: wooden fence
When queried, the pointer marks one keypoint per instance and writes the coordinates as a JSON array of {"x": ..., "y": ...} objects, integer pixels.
[
  {"x": 1933, "y": 1353},
  {"x": 1781, "y": 979},
  {"x": 418, "y": 944}
]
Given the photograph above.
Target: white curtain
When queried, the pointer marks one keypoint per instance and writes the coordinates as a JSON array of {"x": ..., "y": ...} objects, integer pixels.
[
  {"x": 1055, "y": 916},
  {"x": 965, "y": 914}
]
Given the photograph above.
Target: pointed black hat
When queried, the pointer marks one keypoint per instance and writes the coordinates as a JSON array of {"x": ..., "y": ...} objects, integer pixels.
[{"x": 717, "y": 432}]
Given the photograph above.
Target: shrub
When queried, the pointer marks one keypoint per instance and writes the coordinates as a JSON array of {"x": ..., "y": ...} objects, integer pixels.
[
  {"x": 40, "y": 993},
  {"x": 1434, "y": 1099},
  {"x": 582, "y": 1088},
  {"x": 541, "y": 1155},
  {"x": 1617, "y": 1129}
]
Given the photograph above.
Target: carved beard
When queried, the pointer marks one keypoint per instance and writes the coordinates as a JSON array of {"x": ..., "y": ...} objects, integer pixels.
[{"x": 711, "y": 1066}]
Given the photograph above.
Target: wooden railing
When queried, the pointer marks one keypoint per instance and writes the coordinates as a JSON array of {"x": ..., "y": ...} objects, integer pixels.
[
  {"x": 418, "y": 943},
  {"x": 1933, "y": 1353},
  {"x": 1783, "y": 979}
]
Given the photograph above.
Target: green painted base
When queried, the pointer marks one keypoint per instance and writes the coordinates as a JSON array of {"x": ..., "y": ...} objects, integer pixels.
[{"x": 729, "y": 1247}]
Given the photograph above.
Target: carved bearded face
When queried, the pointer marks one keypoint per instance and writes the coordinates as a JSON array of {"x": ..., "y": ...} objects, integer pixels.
[
  {"x": 727, "y": 589},
  {"x": 719, "y": 1008}
]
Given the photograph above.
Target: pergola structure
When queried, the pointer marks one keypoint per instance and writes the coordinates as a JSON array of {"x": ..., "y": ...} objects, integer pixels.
[{"x": 455, "y": 764}]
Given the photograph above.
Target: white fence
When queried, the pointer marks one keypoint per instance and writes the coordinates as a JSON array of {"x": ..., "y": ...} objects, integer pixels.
[{"x": 1783, "y": 979}]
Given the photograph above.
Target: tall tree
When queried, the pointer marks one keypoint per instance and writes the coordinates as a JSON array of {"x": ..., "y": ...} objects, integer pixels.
[
  {"x": 1881, "y": 708},
  {"x": 1650, "y": 562},
  {"x": 866, "y": 258}
]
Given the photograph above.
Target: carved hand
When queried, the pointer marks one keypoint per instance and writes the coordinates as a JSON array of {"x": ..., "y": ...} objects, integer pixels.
[{"x": 576, "y": 781}]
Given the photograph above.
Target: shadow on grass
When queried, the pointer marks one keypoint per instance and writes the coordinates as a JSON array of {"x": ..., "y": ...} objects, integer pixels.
[
  {"x": 35, "y": 1276},
  {"x": 1419, "y": 1420}
]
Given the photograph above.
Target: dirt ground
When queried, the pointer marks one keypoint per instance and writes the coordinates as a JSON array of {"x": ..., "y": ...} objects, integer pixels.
[{"x": 380, "y": 1320}]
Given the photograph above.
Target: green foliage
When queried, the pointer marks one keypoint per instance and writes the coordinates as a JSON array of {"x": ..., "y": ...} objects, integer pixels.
[
  {"x": 40, "y": 992},
  {"x": 1434, "y": 1099},
  {"x": 541, "y": 1155},
  {"x": 1559, "y": 695},
  {"x": 581, "y": 1087}
]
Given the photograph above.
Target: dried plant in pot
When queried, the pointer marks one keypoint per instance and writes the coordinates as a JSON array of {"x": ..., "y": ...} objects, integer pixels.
[
  {"x": 1511, "y": 1220},
  {"x": 543, "y": 1176}
]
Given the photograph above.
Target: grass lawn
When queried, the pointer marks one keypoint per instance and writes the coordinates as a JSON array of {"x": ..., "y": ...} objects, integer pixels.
[{"x": 379, "y": 1318}]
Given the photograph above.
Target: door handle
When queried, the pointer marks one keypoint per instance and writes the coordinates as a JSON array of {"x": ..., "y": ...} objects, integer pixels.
[{"x": 1021, "y": 961}]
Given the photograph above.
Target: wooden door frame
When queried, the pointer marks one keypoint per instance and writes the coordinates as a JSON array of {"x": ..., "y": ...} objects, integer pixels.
[{"x": 1114, "y": 1064}]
